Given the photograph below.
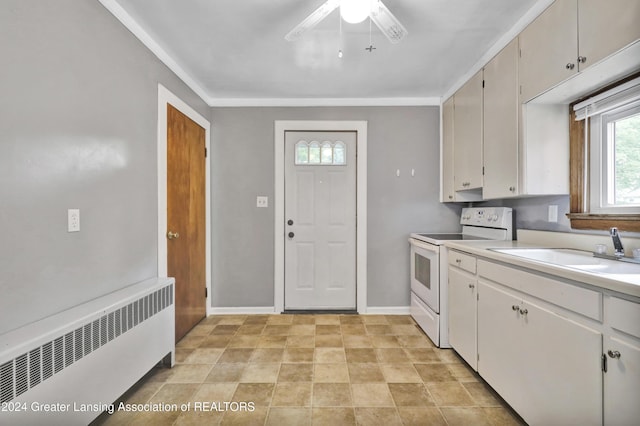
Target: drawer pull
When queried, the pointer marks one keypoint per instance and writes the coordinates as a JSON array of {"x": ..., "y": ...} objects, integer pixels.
[
  {"x": 458, "y": 261},
  {"x": 614, "y": 354}
]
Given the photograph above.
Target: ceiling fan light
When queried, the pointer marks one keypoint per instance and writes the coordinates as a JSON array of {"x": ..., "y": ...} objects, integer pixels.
[{"x": 355, "y": 11}]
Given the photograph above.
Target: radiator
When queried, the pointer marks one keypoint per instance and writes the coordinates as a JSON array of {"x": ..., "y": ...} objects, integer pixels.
[{"x": 68, "y": 368}]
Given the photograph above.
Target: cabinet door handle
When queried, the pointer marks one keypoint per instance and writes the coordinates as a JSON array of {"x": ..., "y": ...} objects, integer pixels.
[
  {"x": 570, "y": 66},
  {"x": 523, "y": 311},
  {"x": 458, "y": 261},
  {"x": 472, "y": 286},
  {"x": 582, "y": 59},
  {"x": 515, "y": 307},
  {"x": 613, "y": 354},
  {"x": 512, "y": 188}
]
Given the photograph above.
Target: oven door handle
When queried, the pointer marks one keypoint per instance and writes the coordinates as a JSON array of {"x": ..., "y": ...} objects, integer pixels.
[{"x": 430, "y": 247}]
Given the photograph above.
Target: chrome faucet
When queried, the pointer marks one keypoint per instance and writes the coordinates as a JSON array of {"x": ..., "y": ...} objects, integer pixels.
[{"x": 618, "y": 250}]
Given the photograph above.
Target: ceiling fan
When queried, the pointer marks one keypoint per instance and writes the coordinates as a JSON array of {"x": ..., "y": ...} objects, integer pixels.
[{"x": 354, "y": 11}]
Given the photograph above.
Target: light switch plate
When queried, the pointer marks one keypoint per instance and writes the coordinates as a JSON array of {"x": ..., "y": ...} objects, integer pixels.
[
  {"x": 73, "y": 220},
  {"x": 262, "y": 201}
]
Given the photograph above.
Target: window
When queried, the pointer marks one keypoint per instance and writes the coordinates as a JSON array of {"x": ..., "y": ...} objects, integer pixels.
[
  {"x": 615, "y": 161},
  {"x": 326, "y": 154},
  {"x": 605, "y": 159}
]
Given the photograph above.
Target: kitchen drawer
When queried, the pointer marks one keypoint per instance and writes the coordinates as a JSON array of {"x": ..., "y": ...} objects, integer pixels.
[
  {"x": 462, "y": 261},
  {"x": 623, "y": 315},
  {"x": 561, "y": 293}
]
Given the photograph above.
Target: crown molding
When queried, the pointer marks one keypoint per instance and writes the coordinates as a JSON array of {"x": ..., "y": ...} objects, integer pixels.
[
  {"x": 320, "y": 102},
  {"x": 132, "y": 25}
]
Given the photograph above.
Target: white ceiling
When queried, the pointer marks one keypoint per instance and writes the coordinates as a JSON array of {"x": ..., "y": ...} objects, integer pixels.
[{"x": 233, "y": 52}]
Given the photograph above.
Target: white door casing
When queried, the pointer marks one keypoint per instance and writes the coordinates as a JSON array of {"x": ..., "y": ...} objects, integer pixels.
[
  {"x": 320, "y": 214},
  {"x": 360, "y": 129}
]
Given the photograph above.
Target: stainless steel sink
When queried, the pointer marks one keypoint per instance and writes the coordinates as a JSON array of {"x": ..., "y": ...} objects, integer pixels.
[{"x": 575, "y": 259}]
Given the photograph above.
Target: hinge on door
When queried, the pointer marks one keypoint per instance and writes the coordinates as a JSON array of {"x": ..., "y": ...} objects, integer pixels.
[
  {"x": 205, "y": 152},
  {"x": 206, "y": 292},
  {"x": 478, "y": 357},
  {"x": 604, "y": 363},
  {"x": 477, "y": 296},
  {"x": 483, "y": 84},
  {"x": 482, "y": 171}
]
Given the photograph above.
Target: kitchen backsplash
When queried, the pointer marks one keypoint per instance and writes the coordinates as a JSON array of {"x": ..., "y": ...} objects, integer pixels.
[{"x": 533, "y": 213}]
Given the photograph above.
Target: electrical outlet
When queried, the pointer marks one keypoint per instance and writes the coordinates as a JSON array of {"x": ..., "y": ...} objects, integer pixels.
[
  {"x": 262, "y": 201},
  {"x": 73, "y": 220},
  {"x": 553, "y": 213}
]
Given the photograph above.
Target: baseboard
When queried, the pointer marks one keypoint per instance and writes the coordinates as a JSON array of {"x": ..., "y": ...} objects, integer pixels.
[
  {"x": 388, "y": 310},
  {"x": 261, "y": 310},
  {"x": 249, "y": 310}
]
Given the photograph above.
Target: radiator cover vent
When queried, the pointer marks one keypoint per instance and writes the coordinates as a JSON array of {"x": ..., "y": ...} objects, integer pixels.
[{"x": 39, "y": 364}]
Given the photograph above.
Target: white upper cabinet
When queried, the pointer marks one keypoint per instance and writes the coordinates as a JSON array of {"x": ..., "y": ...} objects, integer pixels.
[
  {"x": 467, "y": 130},
  {"x": 448, "y": 191},
  {"x": 549, "y": 49},
  {"x": 604, "y": 27},
  {"x": 572, "y": 35},
  {"x": 500, "y": 144}
]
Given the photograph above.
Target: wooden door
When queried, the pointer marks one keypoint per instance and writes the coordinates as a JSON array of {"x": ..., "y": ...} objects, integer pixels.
[
  {"x": 186, "y": 225},
  {"x": 320, "y": 210}
]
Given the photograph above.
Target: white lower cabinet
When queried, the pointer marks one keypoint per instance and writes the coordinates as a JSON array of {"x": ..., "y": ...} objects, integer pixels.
[
  {"x": 546, "y": 366},
  {"x": 622, "y": 382},
  {"x": 462, "y": 315},
  {"x": 622, "y": 357},
  {"x": 559, "y": 352}
]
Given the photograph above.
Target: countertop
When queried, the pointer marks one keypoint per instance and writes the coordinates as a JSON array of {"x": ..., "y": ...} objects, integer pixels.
[{"x": 626, "y": 284}]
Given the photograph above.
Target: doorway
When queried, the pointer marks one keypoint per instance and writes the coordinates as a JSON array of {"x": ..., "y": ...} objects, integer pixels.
[
  {"x": 338, "y": 130},
  {"x": 183, "y": 139}
]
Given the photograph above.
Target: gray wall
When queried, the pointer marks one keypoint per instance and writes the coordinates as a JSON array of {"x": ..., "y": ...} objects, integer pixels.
[
  {"x": 533, "y": 213},
  {"x": 242, "y": 163},
  {"x": 78, "y": 109}
]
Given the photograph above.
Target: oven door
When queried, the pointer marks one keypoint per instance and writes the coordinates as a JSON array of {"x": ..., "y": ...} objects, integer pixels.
[{"x": 425, "y": 272}]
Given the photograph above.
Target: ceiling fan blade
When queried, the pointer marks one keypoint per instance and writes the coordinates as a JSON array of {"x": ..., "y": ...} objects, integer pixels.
[
  {"x": 312, "y": 20},
  {"x": 388, "y": 24}
]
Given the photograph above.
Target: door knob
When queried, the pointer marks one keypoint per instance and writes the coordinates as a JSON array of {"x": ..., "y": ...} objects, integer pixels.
[
  {"x": 290, "y": 222},
  {"x": 291, "y": 234},
  {"x": 172, "y": 235},
  {"x": 613, "y": 354}
]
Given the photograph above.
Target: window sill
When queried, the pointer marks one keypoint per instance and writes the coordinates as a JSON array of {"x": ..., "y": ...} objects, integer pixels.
[{"x": 624, "y": 222}]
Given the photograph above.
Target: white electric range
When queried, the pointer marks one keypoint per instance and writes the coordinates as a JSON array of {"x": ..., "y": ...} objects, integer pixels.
[{"x": 429, "y": 266}]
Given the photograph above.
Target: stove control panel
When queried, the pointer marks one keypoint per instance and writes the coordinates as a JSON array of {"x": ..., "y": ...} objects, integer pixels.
[{"x": 489, "y": 217}]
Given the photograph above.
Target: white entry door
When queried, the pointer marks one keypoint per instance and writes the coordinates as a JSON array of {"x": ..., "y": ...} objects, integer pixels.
[{"x": 320, "y": 220}]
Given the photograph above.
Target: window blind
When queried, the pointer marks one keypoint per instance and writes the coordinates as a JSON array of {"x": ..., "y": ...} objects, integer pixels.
[{"x": 609, "y": 100}]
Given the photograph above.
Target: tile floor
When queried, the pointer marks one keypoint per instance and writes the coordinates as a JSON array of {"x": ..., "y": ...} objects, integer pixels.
[{"x": 314, "y": 370}]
